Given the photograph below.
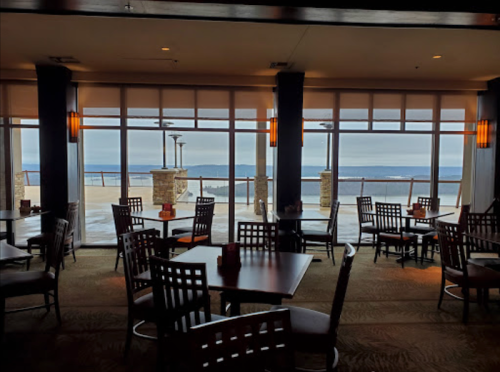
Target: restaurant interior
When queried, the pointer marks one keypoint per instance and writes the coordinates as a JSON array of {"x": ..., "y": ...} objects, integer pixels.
[{"x": 249, "y": 186}]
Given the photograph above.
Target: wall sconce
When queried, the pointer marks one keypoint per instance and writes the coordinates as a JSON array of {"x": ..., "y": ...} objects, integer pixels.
[
  {"x": 483, "y": 134},
  {"x": 74, "y": 126},
  {"x": 273, "y": 134}
]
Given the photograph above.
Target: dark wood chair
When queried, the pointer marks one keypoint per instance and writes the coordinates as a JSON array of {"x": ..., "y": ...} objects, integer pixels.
[
  {"x": 3, "y": 235},
  {"x": 249, "y": 343},
  {"x": 327, "y": 237},
  {"x": 391, "y": 232},
  {"x": 43, "y": 240},
  {"x": 482, "y": 223},
  {"x": 135, "y": 205},
  {"x": 123, "y": 225},
  {"x": 137, "y": 248},
  {"x": 188, "y": 229},
  {"x": 423, "y": 226},
  {"x": 201, "y": 232},
  {"x": 431, "y": 238},
  {"x": 46, "y": 282},
  {"x": 258, "y": 236},
  {"x": 366, "y": 221},
  {"x": 458, "y": 271},
  {"x": 315, "y": 332},
  {"x": 173, "y": 283}
]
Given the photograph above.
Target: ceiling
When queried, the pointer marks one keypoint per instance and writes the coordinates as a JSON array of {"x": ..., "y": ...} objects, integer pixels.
[{"x": 223, "y": 48}]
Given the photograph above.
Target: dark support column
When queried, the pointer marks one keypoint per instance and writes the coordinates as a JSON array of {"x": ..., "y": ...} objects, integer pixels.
[
  {"x": 436, "y": 127},
  {"x": 58, "y": 158},
  {"x": 487, "y": 160},
  {"x": 288, "y": 151}
]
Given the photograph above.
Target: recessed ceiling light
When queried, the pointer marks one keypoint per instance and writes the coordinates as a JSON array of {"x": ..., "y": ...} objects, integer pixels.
[
  {"x": 436, "y": 57},
  {"x": 165, "y": 48}
]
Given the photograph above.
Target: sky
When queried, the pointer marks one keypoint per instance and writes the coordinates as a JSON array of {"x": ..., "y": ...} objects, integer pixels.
[{"x": 145, "y": 148}]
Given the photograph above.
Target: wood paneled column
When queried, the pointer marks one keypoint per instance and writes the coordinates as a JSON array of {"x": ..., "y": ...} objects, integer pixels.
[
  {"x": 288, "y": 151},
  {"x": 58, "y": 158},
  {"x": 487, "y": 160}
]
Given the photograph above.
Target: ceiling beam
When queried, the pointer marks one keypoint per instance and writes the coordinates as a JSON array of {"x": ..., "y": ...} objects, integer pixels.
[{"x": 355, "y": 13}]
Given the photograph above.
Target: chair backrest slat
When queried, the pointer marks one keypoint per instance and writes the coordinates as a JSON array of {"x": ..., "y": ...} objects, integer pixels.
[
  {"x": 341, "y": 290},
  {"x": 253, "y": 342},
  {"x": 204, "y": 200},
  {"x": 135, "y": 205},
  {"x": 389, "y": 218},
  {"x": 123, "y": 221},
  {"x": 426, "y": 202},
  {"x": 258, "y": 235},
  {"x": 364, "y": 205},
  {"x": 451, "y": 247}
]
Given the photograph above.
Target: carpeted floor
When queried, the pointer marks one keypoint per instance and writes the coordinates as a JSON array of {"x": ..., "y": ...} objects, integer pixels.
[{"x": 390, "y": 321}]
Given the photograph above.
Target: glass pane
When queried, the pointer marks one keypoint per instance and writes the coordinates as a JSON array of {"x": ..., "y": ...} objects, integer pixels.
[
  {"x": 253, "y": 104},
  {"x": 452, "y": 127},
  {"x": 353, "y": 125},
  {"x": 26, "y": 162},
  {"x": 178, "y": 103},
  {"x": 109, "y": 122},
  {"x": 213, "y": 104},
  {"x": 386, "y": 126},
  {"x": 418, "y": 126},
  {"x": 420, "y": 107},
  {"x": 240, "y": 124},
  {"x": 213, "y": 124},
  {"x": 354, "y": 106},
  {"x": 143, "y": 102},
  {"x": 101, "y": 149},
  {"x": 387, "y": 106},
  {"x": 459, "y": 107},
  {"x": 99, "y": 100},
  {"x": 23, "y": 100}
]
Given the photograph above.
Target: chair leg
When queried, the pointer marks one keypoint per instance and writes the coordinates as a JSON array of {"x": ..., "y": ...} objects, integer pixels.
[
  {"x": 130, "y": 330},
  {"x": 377, "y": 251},
  {"x": 331, "y": 248},
  {"x": 330, "y": 359},
  {"x": 441, "y": 294},
  {"x": 403, "y": 250},
  {"x": 415, "y": 246},
  {"x": 423, "y": 253},
  {"x": 359, "y": 241},
  {"x": 117, "y": 259},
  {"x": 42, "y": 251},
  {"x": 56, "y": 305},
  {"x": 466, "y": 305},
  {"x": 29, "y": 260},
  {"x": 327, "y": 250},
  {"x": 2, "y": 318},
  {"x": 73, "y": 250},
  {"x": 373, "y": 240},
  {"x": 304, "y": 246},
  {"x": 47, "y": 301}
]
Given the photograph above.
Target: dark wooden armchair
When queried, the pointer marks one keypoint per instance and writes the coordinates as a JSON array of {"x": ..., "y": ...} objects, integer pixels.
[
  {"x": 458, "y": 271},
  {"x": 250, "y": 343},
  {"x": 258, "y": 236},
  {"x": 315, "y": 332},
  {"x": 391, "y": 232},
  {"x": 188, "y": 229},
  {"x": 423, "y": 226},
  {"x": 482, "y": 223},
  {"x": 123, "y": 225},
  {"x": 46, "y": 282},
  {"x": 135, "y": 205},
  {"x": 324, "y": 237},
  {"x": 201, "y": 233},
  {"x": 366, "y": 221},
  {"x": 43, "y": 240}
]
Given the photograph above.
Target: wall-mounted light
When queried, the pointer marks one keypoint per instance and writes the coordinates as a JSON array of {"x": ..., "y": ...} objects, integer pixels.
[
  {"x": 74, "y": 126},
  {"x": 273, "y": 134},
  {"x": 483, "y": 134}
]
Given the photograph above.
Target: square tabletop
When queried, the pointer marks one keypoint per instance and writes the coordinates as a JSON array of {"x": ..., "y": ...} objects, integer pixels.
[
  {"x": 14, "y": 215},
  {"x": 153, "y": 215},
  {"x": 278, "y": 273},
  {"x": 9, "y": 253},
  {"x": 307, "y": 215}
]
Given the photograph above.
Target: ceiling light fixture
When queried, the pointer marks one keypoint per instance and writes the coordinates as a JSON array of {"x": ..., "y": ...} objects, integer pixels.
[
  {"x": 436, "y": 57},
  {"x": 165, "y": 49}
]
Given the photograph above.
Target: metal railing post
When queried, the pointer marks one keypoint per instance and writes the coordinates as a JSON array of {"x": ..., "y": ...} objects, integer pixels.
[
  {"x": 459, "y": 193},
  {"x": 27, "y": 178},
  {"x": 102, "y": 177},
  {"x": 201, "y": 186},
  {"x": 248, "y": 191},
  {"x": 362, "y": 186},
  {"x": 411, "y": 192}
]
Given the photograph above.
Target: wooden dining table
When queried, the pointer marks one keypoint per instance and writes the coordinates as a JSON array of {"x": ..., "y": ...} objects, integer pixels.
[
  {"x": 10, "y": 254},
  {"x": 11, "y": 216},
  {"x": 261, "y": 272},
  {"x": 153, "y": 215}
]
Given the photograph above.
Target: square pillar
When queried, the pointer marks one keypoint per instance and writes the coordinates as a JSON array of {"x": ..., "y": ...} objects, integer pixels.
[{"x": 164, "y": 186}]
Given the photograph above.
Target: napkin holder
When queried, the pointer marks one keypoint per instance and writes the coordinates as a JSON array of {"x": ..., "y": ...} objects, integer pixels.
[{"x": 230, "y": 259}]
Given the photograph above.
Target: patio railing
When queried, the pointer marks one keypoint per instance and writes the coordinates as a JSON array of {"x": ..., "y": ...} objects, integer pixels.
[{"x": 113, "y": 179}]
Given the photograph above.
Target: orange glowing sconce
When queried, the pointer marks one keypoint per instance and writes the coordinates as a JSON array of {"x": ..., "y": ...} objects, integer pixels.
[
  {"x": 482, "y": 136},
  {"x": 273, "y": 134},
  {"x": 74, "y": 126}
]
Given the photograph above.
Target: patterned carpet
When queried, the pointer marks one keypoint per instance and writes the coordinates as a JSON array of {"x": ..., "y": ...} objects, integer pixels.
[{"x": 390, "y": 321}]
